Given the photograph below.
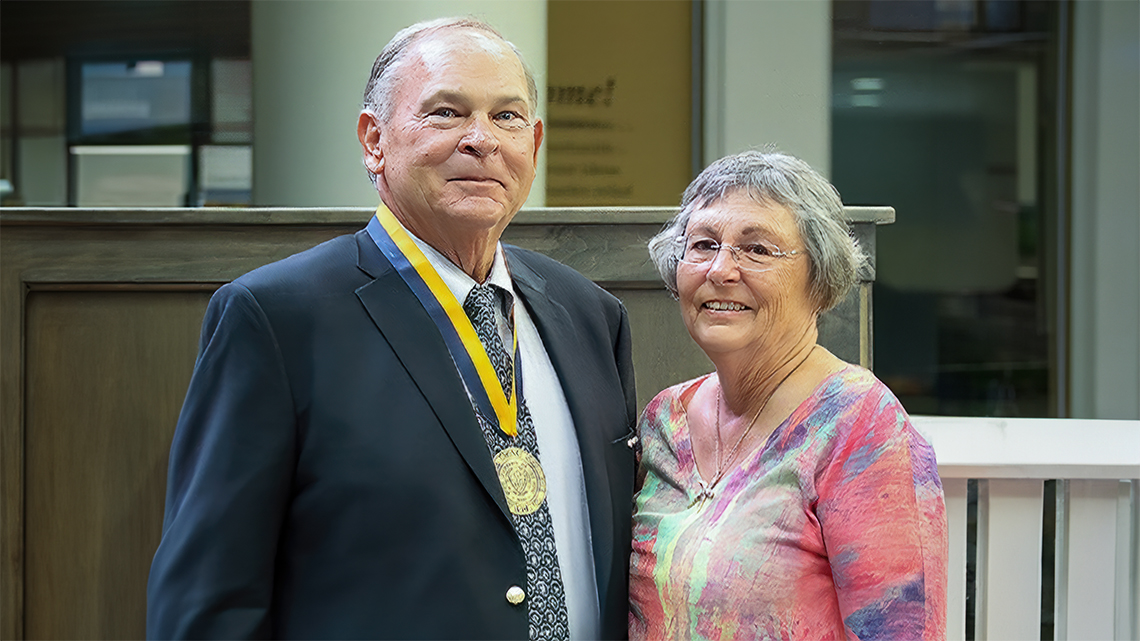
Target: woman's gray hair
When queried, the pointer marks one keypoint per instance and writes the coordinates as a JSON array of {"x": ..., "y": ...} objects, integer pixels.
[{"x": 835, "y": 256}]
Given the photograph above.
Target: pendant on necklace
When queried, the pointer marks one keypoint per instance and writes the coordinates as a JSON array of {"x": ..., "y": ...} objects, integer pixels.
[{"x": 706, "y": 493}]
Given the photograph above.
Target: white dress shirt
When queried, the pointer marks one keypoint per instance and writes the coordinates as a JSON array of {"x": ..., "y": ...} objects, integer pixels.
[{"x": 557, "y": 443}]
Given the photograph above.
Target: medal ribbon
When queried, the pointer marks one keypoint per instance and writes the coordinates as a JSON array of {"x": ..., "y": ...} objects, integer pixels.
[{"x": 455, "y": 327}]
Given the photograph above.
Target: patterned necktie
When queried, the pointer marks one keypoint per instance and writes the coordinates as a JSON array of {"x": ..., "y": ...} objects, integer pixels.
[
  {"x": 480, "y": 307},
  {"x": 546, "y": 596}
]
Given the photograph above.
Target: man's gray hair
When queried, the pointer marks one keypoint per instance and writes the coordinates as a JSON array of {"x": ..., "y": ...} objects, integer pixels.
[
  {"x": 381, "y": 87},
  {"x": 814, "y": 203}
]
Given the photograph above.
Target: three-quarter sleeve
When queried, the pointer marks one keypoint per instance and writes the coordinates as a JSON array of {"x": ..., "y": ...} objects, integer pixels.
[{"x": 883, "y": 518}]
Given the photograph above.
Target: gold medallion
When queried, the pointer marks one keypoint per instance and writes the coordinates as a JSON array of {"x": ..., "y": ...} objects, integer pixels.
[{"x": 522, "y": 478}]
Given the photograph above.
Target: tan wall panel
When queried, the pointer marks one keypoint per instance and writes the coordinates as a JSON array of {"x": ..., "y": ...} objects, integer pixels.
[
  {"x": 106, "y": 375},
  {"x": 663, "y": 352},
  {"x": 618, "y": 102}
]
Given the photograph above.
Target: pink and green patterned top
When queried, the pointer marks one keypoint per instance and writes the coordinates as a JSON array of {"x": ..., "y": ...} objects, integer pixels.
[{"x": 834, "y": 529}]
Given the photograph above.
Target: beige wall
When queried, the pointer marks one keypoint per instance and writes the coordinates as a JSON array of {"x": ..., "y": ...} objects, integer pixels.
[
  {"x": 767, "y": 81},
  {"x": 768, "y": 78},
  {"x": 620, "y": 102},
  {"x": 311, "y": 59}
]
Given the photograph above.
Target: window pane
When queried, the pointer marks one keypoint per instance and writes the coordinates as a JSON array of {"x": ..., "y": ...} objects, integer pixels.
[
  {"x": 120, "y": 97},
  {"x": 937, "y": 114}
]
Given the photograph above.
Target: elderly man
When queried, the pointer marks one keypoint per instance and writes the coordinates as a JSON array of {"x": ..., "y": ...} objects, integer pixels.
[{"x": 415, "y": 431}]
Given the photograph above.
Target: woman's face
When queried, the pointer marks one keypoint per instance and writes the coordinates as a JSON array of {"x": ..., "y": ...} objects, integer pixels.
[{"x": 728, "y": 307}]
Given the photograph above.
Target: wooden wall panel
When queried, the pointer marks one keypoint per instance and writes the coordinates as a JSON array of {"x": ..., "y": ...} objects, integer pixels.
[
  {"x": 99, "y": 318},
  {"x": 655, "y": 321},
  {"x": 100, "y": 312},
  {"x": 106, "y": 375}
]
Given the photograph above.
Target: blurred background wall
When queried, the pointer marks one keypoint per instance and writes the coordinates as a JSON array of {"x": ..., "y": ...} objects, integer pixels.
[
  {"x": 1002, "y": 131},
  {"x": 1005, "y": 133},
  {"x": 310, "y": 63}
]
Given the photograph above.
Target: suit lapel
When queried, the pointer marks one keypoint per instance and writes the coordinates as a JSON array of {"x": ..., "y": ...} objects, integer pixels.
[
  {"x": 560, "y": 340},
  {"x": 414, "y": 338}
]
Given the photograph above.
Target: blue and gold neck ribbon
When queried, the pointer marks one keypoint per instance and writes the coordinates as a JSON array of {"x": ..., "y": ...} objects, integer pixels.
[{"x": 455, "y": 327}]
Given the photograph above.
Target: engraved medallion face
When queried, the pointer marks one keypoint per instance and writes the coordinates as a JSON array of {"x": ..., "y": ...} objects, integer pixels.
[{"x": 522, "y": 478}]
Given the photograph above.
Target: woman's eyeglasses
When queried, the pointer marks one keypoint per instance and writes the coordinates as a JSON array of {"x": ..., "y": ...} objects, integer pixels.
[{"x": 759, "y": 256}]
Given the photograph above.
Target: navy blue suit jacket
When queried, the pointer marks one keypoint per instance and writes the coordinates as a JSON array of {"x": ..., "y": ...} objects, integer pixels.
[{"x": 328, "y": 478}]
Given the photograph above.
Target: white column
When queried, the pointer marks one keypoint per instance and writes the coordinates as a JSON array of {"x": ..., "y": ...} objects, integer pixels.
[
  {"x": 955, "y": 490},
  {"x": 1009, "y": 560},
  {"x": 311, "y": 60},
  {"x": 1105, "y": 219},
  {"x": 768, "y": 78},
  {"x": 1087, "y": 561}
]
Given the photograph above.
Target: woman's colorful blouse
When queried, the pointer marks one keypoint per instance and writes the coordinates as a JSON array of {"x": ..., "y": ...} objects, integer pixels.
[{"x": 835, "y": 528}]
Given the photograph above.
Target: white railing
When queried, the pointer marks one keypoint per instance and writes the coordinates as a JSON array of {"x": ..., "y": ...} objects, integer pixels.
[{"x": 1096, "y": 464}]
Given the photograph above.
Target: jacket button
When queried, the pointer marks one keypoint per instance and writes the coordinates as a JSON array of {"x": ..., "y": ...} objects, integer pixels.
[{"x": 515, "y": 595}]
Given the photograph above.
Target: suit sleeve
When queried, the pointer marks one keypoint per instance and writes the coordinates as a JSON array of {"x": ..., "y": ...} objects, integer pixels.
[
  {"x": 228, "y": 484},
  {"x": 623, "y": 354}
]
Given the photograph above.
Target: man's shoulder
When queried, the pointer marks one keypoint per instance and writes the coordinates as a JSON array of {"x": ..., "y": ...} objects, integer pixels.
[
  {"x": 555, "y": 273},
  {"x": 540, "y": 263}
]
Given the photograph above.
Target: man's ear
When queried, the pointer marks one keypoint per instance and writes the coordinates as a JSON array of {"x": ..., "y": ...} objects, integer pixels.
[
  {"x": 538, "y": 134},
  {"x": 368, "y": 131}
]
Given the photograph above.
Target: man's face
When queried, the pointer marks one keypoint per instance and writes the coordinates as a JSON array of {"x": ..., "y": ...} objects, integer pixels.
[{"x": 457, "y": 154}]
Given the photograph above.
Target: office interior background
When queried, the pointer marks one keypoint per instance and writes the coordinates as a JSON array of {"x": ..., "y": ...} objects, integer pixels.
[{"x": 1005, "y": 133}]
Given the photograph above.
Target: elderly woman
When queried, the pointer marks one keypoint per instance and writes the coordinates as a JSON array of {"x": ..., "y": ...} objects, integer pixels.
[{"x": 785, "y": 495}]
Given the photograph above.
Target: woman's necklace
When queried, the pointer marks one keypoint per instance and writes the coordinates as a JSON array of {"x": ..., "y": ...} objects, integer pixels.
[{"x": 722, "y": 466}]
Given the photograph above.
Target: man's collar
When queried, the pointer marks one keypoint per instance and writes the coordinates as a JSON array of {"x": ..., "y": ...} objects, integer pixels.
[{"x": 457, "y": 280}]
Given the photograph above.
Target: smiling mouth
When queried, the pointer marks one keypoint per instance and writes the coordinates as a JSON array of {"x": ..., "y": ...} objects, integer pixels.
[
  {"x": 475, "y": 179},
  {"x": 724, "y": 306}
]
